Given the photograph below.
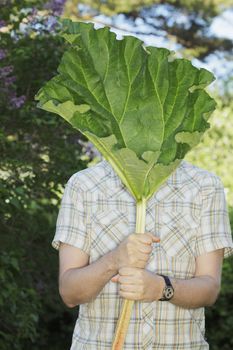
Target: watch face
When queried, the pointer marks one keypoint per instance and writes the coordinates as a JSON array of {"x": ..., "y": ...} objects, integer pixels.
[{"x": 168, "y": 293}]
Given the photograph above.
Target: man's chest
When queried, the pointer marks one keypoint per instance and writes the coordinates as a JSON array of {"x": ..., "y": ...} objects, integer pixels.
[{"x": 172, "y": 214}]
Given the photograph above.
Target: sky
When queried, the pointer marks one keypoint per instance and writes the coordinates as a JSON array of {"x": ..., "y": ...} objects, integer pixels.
[{"x": 223, "y": 25}]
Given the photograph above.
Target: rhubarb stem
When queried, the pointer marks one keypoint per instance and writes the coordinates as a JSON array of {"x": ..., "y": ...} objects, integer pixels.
[{"x": 123, "y": 321}]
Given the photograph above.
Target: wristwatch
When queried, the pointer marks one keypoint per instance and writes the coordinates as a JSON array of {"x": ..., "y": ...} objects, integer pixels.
[{"x": 168, "y": 291}]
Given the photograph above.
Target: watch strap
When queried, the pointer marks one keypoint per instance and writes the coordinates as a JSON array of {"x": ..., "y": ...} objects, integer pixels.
[{"x": 168, "y": 287}]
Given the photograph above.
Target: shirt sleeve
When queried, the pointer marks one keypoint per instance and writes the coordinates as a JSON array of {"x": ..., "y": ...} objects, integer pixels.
[
  {"x": 71, "y": 225},
  {"x": 214, "y": 231}
]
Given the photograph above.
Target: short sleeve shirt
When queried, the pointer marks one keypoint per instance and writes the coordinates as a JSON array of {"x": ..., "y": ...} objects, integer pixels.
[{"x": 189, "y": 214}]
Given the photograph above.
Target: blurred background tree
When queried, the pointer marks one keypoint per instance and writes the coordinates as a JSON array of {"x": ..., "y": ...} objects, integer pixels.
[
  {"x": 39, "y": 151},
  {"x": 185, "y": 22}
]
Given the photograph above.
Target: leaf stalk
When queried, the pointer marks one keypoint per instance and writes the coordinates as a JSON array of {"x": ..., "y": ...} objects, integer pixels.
[{"x": 125, "y": 315}]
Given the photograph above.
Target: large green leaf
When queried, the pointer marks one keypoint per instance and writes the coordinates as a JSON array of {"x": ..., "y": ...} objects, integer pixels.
[{"x": 141, "y": 108}]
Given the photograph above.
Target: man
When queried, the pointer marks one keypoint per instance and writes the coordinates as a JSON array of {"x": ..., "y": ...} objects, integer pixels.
[{"x": 172, "y": 271}]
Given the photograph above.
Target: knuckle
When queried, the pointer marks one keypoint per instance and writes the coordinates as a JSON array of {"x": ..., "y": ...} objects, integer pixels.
[
  {"x": 142, "y": 264},
  {"x": 148, "y": 234},
  {"x": 123, "y": 270},
  {"x": 122, "y": 288},
  {"x": 139, "y": 237},
  {"x": 148, "y": 253},
  {"x": 145, "y": 257},
  {"x": 141, "y": 289},
  {"x": 131, "y": 263},
  {"x": 130, "y": 246},
  {"x": 130, "y": 254},
  {"x": 132, "y": 237},
  {"x": 128, "y": 249},
  {"x": 140, "y": 274}
]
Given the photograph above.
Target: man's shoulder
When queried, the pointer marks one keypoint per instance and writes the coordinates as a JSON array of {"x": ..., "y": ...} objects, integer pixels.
[
  {"x": 199, "y": 176},
  {"x": 102, "y": 175},
  {"x": 89, "y": 179}
]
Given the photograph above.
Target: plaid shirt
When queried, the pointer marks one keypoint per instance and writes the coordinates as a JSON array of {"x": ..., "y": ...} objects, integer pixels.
[{"x": 188, "y": 213}]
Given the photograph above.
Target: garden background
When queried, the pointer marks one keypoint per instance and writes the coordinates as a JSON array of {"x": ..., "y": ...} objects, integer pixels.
[{"x": 40, "y": 151}]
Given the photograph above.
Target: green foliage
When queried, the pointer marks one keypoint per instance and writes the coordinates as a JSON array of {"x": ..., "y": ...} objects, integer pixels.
[
  {"x": 117, "y": 92},
  {"x": 39, "y": 153},
  {"x": 219, "y": 318},
  {"x": 20, "y": 305},
  {"x": 184, "y": 22},
  {"x": 215, "y": 151},
  {"x": 215, "y": 154},
  {"x": 115, "y": 6}
]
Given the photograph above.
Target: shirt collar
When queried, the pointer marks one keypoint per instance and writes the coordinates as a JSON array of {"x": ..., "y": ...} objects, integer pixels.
[{"x": 176, "y": 179}]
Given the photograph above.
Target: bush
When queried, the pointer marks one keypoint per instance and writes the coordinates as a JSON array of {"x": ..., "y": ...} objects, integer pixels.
[
  {"x": 219, "y": 318},
  {"x": 39, "y": 152}
]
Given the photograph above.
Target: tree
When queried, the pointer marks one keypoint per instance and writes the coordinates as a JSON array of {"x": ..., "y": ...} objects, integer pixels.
[
  {"x": 38, "y": 155},
  {"x": 185, "y": 22}
]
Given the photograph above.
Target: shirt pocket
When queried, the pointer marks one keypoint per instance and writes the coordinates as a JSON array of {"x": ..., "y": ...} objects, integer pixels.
[
  {"x": 178, "y": 233},
  {"x": 109, "y": 228},
  {"x": 177, "y": 242}
]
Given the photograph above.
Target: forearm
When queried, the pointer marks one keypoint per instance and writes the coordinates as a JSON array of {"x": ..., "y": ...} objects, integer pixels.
[
  {"x": 196, "y": 292},
  {"x": 81, "y": 285}
]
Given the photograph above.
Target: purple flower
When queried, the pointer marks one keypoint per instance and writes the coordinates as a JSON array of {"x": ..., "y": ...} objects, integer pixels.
[
  {"x": 51, "y": 23},
  {"x": 9, "y": 80},
  {"x": 34, "y": 11},
  {"x": 89, "y": 149},
  {"x": 17, "y": 102},
  {"x": 3, "y": 54},
  {"x": 2, "y": 23},
  {"x": 4, "y": 71},
  {"x": 56, "y": 6}
]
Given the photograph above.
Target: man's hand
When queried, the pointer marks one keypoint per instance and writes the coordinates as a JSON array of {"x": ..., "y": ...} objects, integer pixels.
[
  {"x": 139, "y": 284},
  {"x": 134, "y": 250}
]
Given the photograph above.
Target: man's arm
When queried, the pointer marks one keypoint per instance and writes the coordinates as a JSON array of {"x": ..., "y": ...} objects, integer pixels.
[
  {"x": 199, "y": 291},
  {"x": 81, "y": 283},
  {"x": 203, "y": 289}
]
